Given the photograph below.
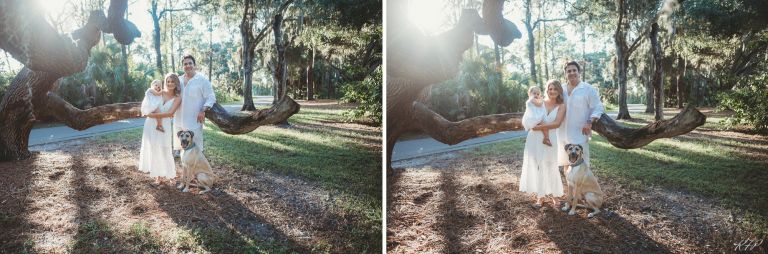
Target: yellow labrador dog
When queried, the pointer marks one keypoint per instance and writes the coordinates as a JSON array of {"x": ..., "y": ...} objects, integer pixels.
[
  {"x": 194, "y": 165},
  {"x": 582, "y": 184}
]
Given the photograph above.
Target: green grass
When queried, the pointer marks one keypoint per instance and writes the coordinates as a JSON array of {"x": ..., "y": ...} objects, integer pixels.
[
  {"x": 711, "y": 167},
  {"x": 329, "y": 156}
]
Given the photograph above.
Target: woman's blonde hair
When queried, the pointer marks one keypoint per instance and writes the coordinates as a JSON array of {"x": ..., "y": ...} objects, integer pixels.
[
  {"x": 175, "y": 79},
  {"x": 558, "y": 88}
]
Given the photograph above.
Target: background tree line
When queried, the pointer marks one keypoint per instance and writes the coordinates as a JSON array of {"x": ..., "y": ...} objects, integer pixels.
[
  {"x": 703, "y": 52},
  {"x": 332, "y": 50}
]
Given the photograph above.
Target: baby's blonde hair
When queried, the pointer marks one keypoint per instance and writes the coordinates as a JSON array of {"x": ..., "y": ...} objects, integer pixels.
[
  {"x": 530, "y": 89},
  {"x": 155, "y": 81}
]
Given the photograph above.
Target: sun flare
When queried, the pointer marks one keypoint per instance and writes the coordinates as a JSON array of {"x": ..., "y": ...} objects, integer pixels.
[{"x": 429, "y": 16}]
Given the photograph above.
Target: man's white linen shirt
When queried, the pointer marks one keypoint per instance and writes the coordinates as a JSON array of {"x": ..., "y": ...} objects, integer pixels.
[
  {"x": 583, "y": 103},
  {"x": 196, "y": 94}
]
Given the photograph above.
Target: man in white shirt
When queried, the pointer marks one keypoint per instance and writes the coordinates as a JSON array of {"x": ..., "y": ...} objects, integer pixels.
[
  {"x": 196, "y": 98},
  {"x": 584, "y": 107}
]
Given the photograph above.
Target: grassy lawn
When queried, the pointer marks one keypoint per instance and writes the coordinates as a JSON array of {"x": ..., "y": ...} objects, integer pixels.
[
  {"x": 319, "y": 148},
  {"x": 721, "y": 165}
]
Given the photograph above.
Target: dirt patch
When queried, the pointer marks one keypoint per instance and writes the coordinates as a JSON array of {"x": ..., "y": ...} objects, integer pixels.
[
  {"x": 471, "y": 204},
  {"x": 46, "y": 199}
]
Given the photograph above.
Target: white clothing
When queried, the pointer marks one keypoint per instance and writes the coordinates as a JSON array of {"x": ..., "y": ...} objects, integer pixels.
[
  {"x": 195, "y": 94},
  {"x": 540, "y": 174},
  {"x": 533, "y": 114},
  {"x": 150, "y": 103},
  {"x": 156, "y": 155},
  {"x": 583, "y": 103}
]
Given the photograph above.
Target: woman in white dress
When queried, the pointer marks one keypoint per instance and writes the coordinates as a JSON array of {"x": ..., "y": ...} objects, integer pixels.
[
  {"x": 156, "y": 155},
  {"x": 540, "y": 175}
]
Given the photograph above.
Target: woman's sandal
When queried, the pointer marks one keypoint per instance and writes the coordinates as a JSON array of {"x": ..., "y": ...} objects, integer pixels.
[
  {"x": 160, "y": 128},
  {"x": 547, "y": 142}
]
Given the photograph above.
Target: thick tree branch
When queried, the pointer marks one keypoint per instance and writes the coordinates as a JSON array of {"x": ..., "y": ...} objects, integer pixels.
[
  {"x": 244, "y": 121},
  {"x": 79, "y": 119},
  {"x": 454, "y": 132},
  {"x": 628, "y": 138},
  {"x": 231, "y": 123}
]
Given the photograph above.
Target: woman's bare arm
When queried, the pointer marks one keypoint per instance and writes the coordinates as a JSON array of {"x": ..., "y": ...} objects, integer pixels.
[
  {"x": 175, "y": 106},
  {"x": 556, "y": 123}
]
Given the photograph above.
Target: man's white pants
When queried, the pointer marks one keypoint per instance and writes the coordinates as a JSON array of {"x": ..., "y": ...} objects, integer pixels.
[{"x": 197, "y": 138}]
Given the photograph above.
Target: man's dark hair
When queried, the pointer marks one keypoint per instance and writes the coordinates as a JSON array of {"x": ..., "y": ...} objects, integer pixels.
[
  {"x": 190, "y": 57},
  {"x": 574, "y": 63}
]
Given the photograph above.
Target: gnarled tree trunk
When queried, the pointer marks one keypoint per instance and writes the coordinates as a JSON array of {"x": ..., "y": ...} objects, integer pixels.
[{"x": 658, "y": 73}]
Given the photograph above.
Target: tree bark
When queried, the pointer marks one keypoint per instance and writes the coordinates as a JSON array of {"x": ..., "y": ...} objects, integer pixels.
[
  {"x": 629, "y": 138},
  {"x": 649, "y": 105},
  {"x": 280, "y": 66},
  {"x": 17, "y": 113},
  {"x": 658, "y": 73},
  {"x": 210, "y": 47},
  {"x": 678, "y": 84},
  {"x": 156, "y": 16},
  {"x": 531, "y": 42},
  {"x": 623, "y": 52},
  {"x": 246, "y": 35},
  {"x": 240, "y": 123},
  {"x": 311, "y": 77}
]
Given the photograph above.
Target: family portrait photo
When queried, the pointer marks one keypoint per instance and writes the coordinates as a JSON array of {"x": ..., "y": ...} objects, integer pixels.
[
  {"x": 576, "y": 126},
  {"x": 383, "y": 126},
  {"x": 191, "y": 126}
]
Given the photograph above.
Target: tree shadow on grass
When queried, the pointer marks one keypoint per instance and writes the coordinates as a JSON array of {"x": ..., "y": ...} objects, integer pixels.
[
  {"x": 223, "y": 224},
  {"x": 95, "y": 234},
  {"x": 15, "y": 183},
  {"x": 455, "y": 221}
]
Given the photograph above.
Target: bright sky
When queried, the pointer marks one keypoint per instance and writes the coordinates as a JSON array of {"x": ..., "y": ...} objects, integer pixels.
[
  {"x": 138, "y": 13},
  {"x": 432, "y": 17}
]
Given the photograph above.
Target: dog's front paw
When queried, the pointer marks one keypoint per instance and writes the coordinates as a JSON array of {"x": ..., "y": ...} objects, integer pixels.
[
  {"x": 566, "y": 207},
  {"x": 572, "y": 212},
  {"x": 185, "y": 190}
]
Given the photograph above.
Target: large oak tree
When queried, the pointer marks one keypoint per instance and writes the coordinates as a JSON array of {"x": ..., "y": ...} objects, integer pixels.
[{"x": 48, "y": 56}]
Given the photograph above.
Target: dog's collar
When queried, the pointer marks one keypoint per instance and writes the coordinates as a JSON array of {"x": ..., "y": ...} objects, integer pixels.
[
  {"x": 578, "y": 162},
  {"x": 189, "y": 147}
]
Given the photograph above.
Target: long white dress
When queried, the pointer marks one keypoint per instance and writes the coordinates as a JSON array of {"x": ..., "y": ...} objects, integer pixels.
[
  {"x": 540, "y": 174},
  {"x": 156, "y": 155}
]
